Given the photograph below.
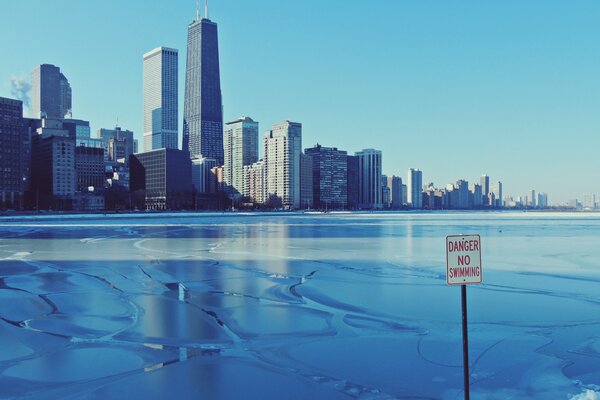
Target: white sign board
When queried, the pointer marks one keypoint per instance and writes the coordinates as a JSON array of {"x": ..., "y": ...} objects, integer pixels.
[{"x": 463, "y": 259}]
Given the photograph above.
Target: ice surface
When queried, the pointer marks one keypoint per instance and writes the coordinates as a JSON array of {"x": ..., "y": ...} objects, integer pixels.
[{"x": 271, "y": 306}]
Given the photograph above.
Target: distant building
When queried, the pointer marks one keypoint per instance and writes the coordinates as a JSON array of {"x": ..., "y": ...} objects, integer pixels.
[
  {"x": 353, "y": 172},
  {"x": 161, "y": 179},
  {"x": 395, "y": 185},
  {"x": 485, "y": 188},
  {"x": 533, "y": 199},
  {"x": 283, "y": 146},
  {"x": 477, "y": 196},
  {"x": 53, "y": 166},
  {"x": 404, "y": 194},
  {"x": 329, "y": 177},
  {"x": 203, "y": 107},
  {"x": 50, "y": 93},
  {"x": 589, "y": 201},
  {"x": 255, "y": 182},
  {"x": 160, "y": 99},
  {"x": 240, "y": 143},
  {"x": 369, "y": 179},
  {"x": 11, "y": 149},
  {"x": 415, "y": 188},
  {"x": 118, "y": 144},
  {"x": 542, "y": 200},
  {"x": 386, "y": 192},
  {"x": 459, "y": 198},
  {"x": 497, "y": 191}
]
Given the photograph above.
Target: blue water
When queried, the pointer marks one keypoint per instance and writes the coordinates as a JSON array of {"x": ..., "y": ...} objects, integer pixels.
[{"x": 296, "y": 306}]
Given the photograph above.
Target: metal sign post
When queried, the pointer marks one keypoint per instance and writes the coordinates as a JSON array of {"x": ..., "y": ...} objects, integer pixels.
[{"x": 463, "y": 267}]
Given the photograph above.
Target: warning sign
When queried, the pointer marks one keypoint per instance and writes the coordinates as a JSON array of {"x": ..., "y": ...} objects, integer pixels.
[{"x": 463, "y": 259}]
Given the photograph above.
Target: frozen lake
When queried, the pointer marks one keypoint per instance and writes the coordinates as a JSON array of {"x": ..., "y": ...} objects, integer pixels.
[{"x": 294, "y": 306}]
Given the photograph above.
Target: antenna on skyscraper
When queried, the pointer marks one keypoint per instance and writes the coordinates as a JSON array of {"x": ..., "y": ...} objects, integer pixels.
[
  {"x": 197, "y": 10},
  {"x": 206, "y": 9}
]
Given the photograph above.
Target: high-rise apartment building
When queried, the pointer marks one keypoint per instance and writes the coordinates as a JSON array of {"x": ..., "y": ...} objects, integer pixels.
[
  {"x": 415, "y": 188},
  {"x": 240, "y": 142},
  {"x": 51, "y": 94},
  {"x": 11, "y": 145},
  {"x": 203, "y": 109},
  {"x": 369, "y": 179},
  {"x": 329, "y": 177},
  {"x": 255, "y": 182},
  {"x": 160, "y": 99},
  {"x": 282, "y": 149}
]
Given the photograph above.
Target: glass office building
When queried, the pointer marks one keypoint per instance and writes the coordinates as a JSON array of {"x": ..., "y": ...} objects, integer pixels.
[
  {"x": 160, "y": 99},
  {"x": 161, "y": 179}
]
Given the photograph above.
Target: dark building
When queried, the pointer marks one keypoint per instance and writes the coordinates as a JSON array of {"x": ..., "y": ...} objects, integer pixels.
[
  {"x": 203, "y": 109},
  {"x": 53, "y": 176},
  {"x": 11, "y": 148},
  {"x": 161, "y": 179},
  {"x": 352, "y": 173},
  {"x": 330, "y": 177},
  {"x": 89, "y": 166}
]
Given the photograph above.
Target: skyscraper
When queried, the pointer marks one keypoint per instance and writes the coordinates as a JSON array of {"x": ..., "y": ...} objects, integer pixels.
[
  {"x": 203, "y": 109},
  {"x": 50, "y": 92},
  {"x": 369, "y": 179},
  {"x": 415, "y": 188},
  {"x": 283, "y": 146},
  {"x": 241, "y": 148},
  {"x": 160, "y": 99}
]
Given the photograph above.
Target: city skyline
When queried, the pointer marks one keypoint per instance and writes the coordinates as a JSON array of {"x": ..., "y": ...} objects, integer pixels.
[{"x": 528, "y": 127}]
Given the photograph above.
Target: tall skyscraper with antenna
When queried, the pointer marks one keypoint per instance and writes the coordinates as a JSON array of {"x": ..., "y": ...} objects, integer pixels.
[{"x": 203, "y": 107}]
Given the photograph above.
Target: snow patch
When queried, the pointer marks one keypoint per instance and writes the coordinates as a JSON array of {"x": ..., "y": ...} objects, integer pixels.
[{"x": 588, "y": 395}]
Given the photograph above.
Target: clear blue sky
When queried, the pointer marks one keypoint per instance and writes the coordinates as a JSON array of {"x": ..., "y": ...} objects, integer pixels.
[{"x": 510, "y": 88}]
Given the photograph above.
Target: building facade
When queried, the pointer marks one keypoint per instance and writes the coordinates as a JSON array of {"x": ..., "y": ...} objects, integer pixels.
[
  {"x": 240, "y": 143},
  {"x": 160, "y": 99},
  {"x": 329, "y": 176},
  {"x": 282, "y": 149},
  {"x": 369, "y": 179},
  {"x": 415, "y": 188},
  {"x": 53, "y": 172},
  {"x": 255, "y": 182},
  {"x": 203, "y": 107},
  {"x": 161, "y": 179},
  {"x": 352, "y": 179},
  {"x": 306, "y": 181},
  {"x": 50, "y": 93},
  {"x": 89, "y": 168},
  {"x": 11, "y": 147}
]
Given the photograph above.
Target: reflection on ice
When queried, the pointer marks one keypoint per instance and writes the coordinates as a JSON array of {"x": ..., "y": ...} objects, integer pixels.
[{"x": 296, "y": 306}]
